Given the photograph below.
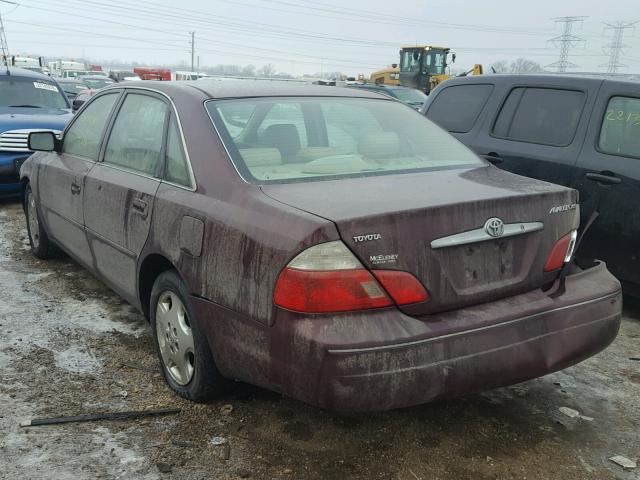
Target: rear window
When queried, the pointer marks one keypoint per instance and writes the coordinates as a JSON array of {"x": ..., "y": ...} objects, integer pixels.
[
  {"x": 457, "y": 108},
  {"x": 540, "y": 115},
  {"x": 620, "y": 133},
  {"x": 279, "y": 140}
]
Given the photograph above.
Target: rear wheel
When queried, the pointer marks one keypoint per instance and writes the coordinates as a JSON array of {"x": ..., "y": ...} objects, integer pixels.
[
  {"x": 41, "y": 246},
  {"x": 186, "y": 360}
]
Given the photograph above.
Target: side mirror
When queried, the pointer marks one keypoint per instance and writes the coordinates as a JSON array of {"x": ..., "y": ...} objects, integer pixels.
[
  {"x": 76, "y": 104},
  {"x": 453, "y": 58},
  {"x": 42, "y": 141}
]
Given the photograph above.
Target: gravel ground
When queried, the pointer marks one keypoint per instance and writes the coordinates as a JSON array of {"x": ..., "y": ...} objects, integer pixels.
[{"x": 70, "y": 346}]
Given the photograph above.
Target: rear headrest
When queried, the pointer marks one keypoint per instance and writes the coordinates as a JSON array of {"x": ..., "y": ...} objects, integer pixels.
[
  {"x": 284, "y": 137},
  {"x": 379, "y": 145},
  {"x": 261, "y": 157}
]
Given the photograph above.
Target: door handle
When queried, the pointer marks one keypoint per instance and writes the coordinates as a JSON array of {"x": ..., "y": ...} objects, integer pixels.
[
  {"x": 75, "y": 188},
  {"x": 608, "y": 177},
  {"x": 493, "y": 158},
  {"x": 139, "y": 205}
]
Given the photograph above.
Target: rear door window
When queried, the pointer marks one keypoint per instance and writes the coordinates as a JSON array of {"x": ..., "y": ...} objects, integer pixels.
[
  {"x": 137, "y": 135},
  {"x": 620, "y": 131},
  {"x": 176, "y": 163},
  {"x": 546, "y": 116},
  {"x": 457, "y": 108},
  {"x": 85, "y": 134}
]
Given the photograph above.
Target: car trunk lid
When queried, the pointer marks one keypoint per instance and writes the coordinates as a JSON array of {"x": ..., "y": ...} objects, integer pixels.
[{"x": 432, "y": 224}]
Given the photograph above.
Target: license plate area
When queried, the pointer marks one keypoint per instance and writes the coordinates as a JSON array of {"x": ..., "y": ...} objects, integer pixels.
[{"x": 484, "y": 266}]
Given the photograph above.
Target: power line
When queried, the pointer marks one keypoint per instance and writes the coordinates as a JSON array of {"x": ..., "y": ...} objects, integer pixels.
[
  {"x": 336, "y": 62},
  {"x": 565, "y": 42},
  {"x": 616, "y": 47}
]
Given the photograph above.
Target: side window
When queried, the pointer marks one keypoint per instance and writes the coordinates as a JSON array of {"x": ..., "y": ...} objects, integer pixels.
[
  {"x": 85, "y": 135},
  {"x": 282, "y": 118},
  {"x": 457, "y": 108},
  {"x": 137, "y": 134},
  {"x": 540, "y": 115},
  {"x": 620, "y": 133},
  {"x": 176, "y": 169}
]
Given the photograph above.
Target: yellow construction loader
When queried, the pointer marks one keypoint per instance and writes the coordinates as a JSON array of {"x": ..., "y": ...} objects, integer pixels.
[{"x": 423, "y": 67}]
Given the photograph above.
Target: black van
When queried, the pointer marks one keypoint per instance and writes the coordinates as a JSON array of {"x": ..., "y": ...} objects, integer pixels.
[{"x": 578, "y": 131}]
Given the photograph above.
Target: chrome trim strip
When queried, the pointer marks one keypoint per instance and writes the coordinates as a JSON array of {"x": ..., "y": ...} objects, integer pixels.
[
  {"x": 474, "y": 330},
  {"x": 129, "y": 170},
  {"x": 480, "y": 235}
]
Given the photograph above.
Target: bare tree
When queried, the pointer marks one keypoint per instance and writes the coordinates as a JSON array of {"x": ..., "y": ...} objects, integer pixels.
[
  {"x": 267, "y": 70},
  {"x": 501, "y": 66},
  {"x": 520, "y": 65},
  {"x": 524, "y": 65},
  {"x": 249, "y": 71}
]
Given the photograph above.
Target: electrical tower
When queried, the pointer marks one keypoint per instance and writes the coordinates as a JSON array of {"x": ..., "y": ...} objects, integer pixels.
[
  {"x": 616, "y": 47},
  {"x": 6, "y": 58},
  {"x": 565, "y": 42}
]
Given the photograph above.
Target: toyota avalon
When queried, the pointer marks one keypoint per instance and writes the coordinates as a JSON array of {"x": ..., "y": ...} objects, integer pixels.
[{"x": 330, "y": 244}]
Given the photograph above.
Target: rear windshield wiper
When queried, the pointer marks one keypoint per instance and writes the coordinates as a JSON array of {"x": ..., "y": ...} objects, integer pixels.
[{"x": 25, "y": 106}]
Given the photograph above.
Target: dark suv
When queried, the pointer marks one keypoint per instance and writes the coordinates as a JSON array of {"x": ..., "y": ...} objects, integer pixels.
[{"x": 578, "y": 131}]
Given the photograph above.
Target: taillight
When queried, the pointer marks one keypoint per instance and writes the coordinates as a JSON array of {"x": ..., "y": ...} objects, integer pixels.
[
  {"x": 403, "y": 287},
  {"x": 561, "y": 252},
  {"x": 329, "y": 278}
]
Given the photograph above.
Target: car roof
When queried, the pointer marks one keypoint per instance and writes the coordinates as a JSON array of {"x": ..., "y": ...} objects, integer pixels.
[
  {"x": 560, "y": 79},
  {"x": 249, "y": 89},
  {"x": 97, "y": 77},
  {"x": 22, "y": 72}
]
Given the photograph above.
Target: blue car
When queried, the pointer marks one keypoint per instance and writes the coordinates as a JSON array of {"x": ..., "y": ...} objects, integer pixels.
[{"x": 28, "y": 101}]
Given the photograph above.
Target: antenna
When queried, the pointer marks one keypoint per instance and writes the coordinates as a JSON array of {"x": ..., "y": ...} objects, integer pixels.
[
  {"x": 565, "y": 42},
  {"x": 616, "y": 47}
]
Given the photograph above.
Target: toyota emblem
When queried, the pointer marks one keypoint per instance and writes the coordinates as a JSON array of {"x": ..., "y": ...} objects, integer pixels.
[{"x": 494, "y": 227}]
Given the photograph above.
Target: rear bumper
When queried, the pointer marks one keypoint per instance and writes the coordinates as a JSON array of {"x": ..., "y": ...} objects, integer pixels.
[{"x": 384, "y": 359}]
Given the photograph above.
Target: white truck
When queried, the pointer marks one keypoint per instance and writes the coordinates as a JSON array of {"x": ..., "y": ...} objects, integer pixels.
[
  {"x": 67, "y": 68},
  {"x": 30, "y": 63}
]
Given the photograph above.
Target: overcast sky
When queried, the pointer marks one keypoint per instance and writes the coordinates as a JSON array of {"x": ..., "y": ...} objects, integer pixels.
[{"x": 299, "y": 36}]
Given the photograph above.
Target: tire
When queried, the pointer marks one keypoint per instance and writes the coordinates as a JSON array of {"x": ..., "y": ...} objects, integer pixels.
[
  {"x": 41, "y": 246},
  {"x": 185, "y": 358}
]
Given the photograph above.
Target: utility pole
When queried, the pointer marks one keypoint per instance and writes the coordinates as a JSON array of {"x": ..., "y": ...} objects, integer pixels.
[
  {"x": 193, "y": 49},
  {"x": 565, "y": 42},
  {"x": 616, "y": 47}
]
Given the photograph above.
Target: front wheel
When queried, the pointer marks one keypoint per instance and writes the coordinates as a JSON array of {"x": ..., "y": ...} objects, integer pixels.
[
  {"x": 41, "y": 246},
  {"x": 186, "y": 360}
]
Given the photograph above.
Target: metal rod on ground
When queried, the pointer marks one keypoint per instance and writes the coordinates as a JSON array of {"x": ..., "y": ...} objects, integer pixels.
[{"x": 99, "y": 416}]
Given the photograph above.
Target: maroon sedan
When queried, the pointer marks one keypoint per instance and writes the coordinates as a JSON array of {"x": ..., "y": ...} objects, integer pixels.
[{"x": 330, "y": 244}]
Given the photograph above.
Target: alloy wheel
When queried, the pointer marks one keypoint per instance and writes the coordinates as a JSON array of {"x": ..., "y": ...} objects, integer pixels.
[
  {"x": 32, "y": 217},
  {"x": 175, "y": 337}
]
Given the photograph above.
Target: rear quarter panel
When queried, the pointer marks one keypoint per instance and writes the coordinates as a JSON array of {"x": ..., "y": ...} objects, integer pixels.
[{"x": 247, "y": 237}]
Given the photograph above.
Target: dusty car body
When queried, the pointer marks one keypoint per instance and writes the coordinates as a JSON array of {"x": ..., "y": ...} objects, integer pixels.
[{"x": 331, "y": 264}]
